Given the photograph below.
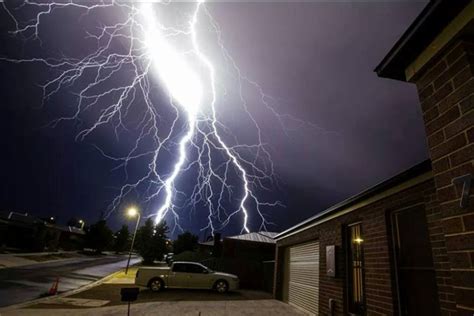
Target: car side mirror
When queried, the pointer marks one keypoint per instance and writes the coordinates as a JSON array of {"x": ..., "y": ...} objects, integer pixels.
[{"x": 205, "y": 271}]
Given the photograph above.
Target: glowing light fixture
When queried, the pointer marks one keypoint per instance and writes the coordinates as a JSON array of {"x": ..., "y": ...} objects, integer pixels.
[{"x": 132, "y": 212}]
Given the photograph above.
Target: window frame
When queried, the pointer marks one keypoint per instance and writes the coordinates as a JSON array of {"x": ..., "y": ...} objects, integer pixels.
[{"x": 354, "y": 231}]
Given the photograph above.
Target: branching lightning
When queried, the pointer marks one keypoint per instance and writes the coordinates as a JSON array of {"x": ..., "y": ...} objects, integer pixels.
[{"x": 229, "y": 175}]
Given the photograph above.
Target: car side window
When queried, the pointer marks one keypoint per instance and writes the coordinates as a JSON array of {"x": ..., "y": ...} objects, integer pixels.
[
  {"x": 179, "y": 267},
  {"x": 194, "y": 268}
]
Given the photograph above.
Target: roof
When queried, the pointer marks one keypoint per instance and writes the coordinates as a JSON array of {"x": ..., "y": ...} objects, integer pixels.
[
  {"x": 411, "y": 173},
  {"x": 70, "y": 229},
  {"x": 430, "y": 22},
  {"x": 19, "y": 217},
  {"x": 263, "y": 237},
  {"x": 207, "y": 243}
]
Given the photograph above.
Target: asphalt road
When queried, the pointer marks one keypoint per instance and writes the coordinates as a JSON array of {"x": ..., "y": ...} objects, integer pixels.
[{"x": 25, "y": 283}]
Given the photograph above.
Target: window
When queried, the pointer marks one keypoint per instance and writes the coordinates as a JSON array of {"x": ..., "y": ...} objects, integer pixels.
[
  {"x": 355, "y": 256},
  {"x": 179, "y": 267},
  {"x": 194, "y": 268}
]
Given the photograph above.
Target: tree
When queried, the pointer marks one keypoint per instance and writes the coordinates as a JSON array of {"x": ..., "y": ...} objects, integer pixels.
[
  {"x": 185, "y": 242},
  {"x": 73, "y": 222},
  {"x": 151, "y": 241},
  {"x": 122, "y": 239},
  {"x": 99, "y": 236}
]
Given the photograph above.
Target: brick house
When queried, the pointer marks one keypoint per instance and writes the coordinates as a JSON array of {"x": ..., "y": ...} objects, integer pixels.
[{"x": 405, "y": 246}]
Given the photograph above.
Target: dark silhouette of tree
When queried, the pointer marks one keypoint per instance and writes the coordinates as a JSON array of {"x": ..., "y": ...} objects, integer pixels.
[
  {"x": 99, "y": 236},
  {"x": 122, "y": 239},
  {"x": 73, "y": 221},
  {"x": 150, "y": 241},
  {"x": 185, "y": 242}
]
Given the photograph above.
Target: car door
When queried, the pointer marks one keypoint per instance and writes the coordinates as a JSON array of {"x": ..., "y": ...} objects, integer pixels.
[
  {"x": 178, "y": 277},
  {"x": 199, "y": 277}
]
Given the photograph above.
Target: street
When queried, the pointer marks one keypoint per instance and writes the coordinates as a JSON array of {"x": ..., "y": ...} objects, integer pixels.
[{"x": 22, "y": 284}]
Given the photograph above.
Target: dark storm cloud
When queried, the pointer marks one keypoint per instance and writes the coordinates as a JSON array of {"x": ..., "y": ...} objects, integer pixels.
[
  {"x": 315, "y": 58},
  {"x": 318, "y": 58}
]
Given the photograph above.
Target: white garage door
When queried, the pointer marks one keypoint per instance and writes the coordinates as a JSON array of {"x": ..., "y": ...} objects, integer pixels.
[{"x": 303, "y": 277}]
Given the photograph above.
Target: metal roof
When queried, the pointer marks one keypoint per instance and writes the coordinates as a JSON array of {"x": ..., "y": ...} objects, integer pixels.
[
  {"x": 207, "y": 243},
  {"x": 430, "y": 22},
  {"x": 263, "y": 237}
]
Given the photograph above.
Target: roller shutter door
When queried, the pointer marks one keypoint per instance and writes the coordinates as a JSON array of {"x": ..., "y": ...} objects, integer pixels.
[{"x": 303, "y": 287}]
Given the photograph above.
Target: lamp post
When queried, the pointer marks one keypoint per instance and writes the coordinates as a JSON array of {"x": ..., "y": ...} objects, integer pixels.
[
  {"x": 82, "y": 224},
  {"x": 132, "y": 212}
]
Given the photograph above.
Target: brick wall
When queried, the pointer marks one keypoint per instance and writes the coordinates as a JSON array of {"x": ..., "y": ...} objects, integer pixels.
[
  {"x": 379, "y": 277},
  {"x": 446, "y": 91}
]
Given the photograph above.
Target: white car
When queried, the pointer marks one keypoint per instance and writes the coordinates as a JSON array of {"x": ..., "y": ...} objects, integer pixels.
[{"x": 185, "y": 275}]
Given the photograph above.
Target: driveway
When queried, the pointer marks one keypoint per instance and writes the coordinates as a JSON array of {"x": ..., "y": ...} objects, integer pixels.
[
  {"x": 194, "y": 308},
  {"x": 111, "y": 293}
]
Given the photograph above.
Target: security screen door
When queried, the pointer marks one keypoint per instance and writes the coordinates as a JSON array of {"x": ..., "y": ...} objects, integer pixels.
[{"x": 415, "y": 274}]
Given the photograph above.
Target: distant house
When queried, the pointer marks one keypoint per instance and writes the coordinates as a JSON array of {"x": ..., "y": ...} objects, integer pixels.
[
  {"x": 25, "y": 232},
  {"x": 258, "y": 245},
  {"x": 250, "y": 256}
]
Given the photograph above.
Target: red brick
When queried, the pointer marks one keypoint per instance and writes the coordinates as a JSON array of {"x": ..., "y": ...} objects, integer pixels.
[
  {"x": 467, "y": 104},
  {"x": 462, "y": 241},
  {"x": 452, "y": 208},
  {"x": 439, "y": 95},
  {"x": 448, "y": 146},
  {"x": 441, "y": 165},
  {"x": 458, "y": 95},
  {"x": 459, "y": 125},
  {"x": 447, "y": 194},
  {"x": 452, "y": 71},
  {"x": 469, "y": 47},
  {"x": 442, "y": 121},
  {"x": 445, "y": 178},
  {"x": 431, "y": 75},
  {"x": 452, "y": 225},
  {"x": 464, "y": 297},
  {"x": 431, "y": 114},
  {"x": 426, "y": 92},
  {"x": 442, "y": 92},
  {"x": 468, "y": 221},
  {"x": 463, "y": 278},
  {"x": 459, "y": 260},
  {"x": 461, "y": 156},
  {"x": 462, "y": 77},
  {"x": 436, "y": 139},
  {"x": 470, "y": 135}
]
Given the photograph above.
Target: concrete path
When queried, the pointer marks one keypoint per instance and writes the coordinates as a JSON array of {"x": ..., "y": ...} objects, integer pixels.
[
  {"x": 191, "y": 308},
  {"x": 26, "y": 283}
]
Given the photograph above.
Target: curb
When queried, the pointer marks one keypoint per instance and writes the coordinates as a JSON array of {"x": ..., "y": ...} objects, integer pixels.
[{"x": 64, "y": 294}]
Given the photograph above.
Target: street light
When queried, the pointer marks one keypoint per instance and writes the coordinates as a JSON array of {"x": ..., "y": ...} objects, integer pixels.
[
  {"x": 132, "y": 212},
  {"x": 82, "y": 223}
]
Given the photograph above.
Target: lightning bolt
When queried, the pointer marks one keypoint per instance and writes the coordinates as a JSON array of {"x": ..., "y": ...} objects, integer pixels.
[{"x": 200, "y": 142}]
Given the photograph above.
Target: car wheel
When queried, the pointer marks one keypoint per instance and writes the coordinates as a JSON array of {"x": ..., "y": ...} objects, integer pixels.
[
  {"x": 156, "y": 285},
  {"x": 221, "y": 286}
]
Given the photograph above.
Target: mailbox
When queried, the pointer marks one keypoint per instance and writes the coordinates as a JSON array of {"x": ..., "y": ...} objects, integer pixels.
[{"x": 129, "y": 294}]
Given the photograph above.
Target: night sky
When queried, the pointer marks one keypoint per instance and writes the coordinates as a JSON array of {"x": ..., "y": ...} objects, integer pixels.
[{"x": 316, "y": 60}]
